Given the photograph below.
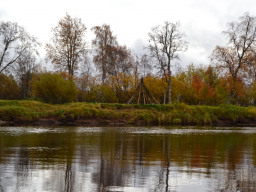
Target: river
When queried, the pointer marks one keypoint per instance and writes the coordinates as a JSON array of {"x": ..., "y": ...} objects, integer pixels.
[{"x": 127, "y": 159}]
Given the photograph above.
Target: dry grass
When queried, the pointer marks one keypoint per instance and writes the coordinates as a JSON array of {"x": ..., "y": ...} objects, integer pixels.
[{"x": 30, "y": 111}]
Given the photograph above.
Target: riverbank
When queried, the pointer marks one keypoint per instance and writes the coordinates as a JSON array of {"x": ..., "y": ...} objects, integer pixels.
[{"x": 16, "y": 112}]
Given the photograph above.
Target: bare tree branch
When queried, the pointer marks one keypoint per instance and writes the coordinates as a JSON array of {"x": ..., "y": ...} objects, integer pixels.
[
  {"x": 234, "y": 57},
  {"x": 14, "y": 43},
  {"x": 165, "y": 44}
]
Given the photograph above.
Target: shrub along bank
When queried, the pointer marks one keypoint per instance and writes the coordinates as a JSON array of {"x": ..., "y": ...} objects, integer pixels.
[{"x": 35, "y": 112}]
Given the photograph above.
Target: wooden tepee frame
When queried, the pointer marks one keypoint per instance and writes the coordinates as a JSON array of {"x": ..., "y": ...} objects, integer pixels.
[{"x": 144, "y": 96}]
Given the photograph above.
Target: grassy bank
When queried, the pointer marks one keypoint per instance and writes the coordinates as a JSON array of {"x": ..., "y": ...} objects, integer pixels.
[{"x": 89, "y": 113}]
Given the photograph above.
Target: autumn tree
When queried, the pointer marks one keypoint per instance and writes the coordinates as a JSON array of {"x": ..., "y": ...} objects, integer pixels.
[
  {"x": 15, "y": 43},
  {"x": 156, "y": 86},
  {"x": 233, "y": 59},
  {"x": 115, "y": 62},
  {"x": 103, "y": 45},
  {"x": 122, "y": 60},
  {"x": 8, "y": 87},
  {"x": 68, "y": 47},
  {"x": 121, "y": 67},
  {"x": 122, "y": 85},
  {"x": 26, "y": 66},
  {"x": 165, "y": 42},
  {"x": 86, "y": 81}
]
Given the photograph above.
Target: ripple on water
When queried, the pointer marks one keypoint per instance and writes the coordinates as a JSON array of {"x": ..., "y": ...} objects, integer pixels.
[{"x": 193, "y": 130}]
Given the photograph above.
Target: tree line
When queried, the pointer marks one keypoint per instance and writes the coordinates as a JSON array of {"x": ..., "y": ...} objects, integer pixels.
[{"x": 230, "y": 77}]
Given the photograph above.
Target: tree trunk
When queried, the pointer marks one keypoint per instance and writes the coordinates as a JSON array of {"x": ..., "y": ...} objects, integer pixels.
[
  {"x": 169, "y": 87},
  {"x": 164, "y": 96},
  {"x": 232, "y": 92},
  {"x": 103, "y": 77}
]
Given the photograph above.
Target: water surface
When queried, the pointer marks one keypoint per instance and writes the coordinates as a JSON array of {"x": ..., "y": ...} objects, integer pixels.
[{"x": 127, "y": 159}]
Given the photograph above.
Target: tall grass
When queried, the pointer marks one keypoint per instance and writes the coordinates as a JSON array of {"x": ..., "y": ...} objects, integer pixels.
[{"x": 181, "y": 114}]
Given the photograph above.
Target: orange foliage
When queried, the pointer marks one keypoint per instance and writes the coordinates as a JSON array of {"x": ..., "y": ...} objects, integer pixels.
[{"x": 203, "y": 91}]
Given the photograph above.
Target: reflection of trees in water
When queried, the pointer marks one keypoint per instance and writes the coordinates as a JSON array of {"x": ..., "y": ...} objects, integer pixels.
[
  {"x": 61, "y": 178},
  {"x": 1, "y": 170},
  {"x": 69, "y": 177},
  {"x": 22, "y": 166},
  {"x": 167, "y": 165},
  {"x": 1, "y": 176},
  {"x": 236, "y": 178},
  {"x": 157, "y": 161},
  {"x": 22, "y": 163},
  {"x": 110, "y": 169},
  {"x": 248, "y": 179},
  {"x": 58, "y": 157},
  {"x": 123, "y": 165},
  {"x": 1, "y": 185},
  {"x": 69, "y": 147},
  {"x": 163, "y": 177},
  {"x": 200, "y": 156}
]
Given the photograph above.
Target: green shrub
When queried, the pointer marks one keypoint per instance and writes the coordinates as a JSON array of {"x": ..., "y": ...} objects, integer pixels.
[
  {"x": 53, "y": 88},
  {"x": 106, "y": 94}
]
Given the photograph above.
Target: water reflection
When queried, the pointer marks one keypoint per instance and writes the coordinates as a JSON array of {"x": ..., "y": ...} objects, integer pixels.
[{"x": 127, "y": 159}]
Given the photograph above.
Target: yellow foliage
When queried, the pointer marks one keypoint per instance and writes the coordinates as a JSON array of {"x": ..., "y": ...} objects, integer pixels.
[
  {"x": 156, "y": 87},
  {"x": 8, "y": 87},
  {"x": 53, "y": 88}
]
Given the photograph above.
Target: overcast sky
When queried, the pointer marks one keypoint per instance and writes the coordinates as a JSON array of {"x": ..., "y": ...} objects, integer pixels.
[{"x": 131, "y": 20}]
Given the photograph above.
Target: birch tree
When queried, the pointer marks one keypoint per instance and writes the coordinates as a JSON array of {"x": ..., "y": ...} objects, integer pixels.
[
  {"x": 103, "y": 45},
  {"x": 165, "y": 42},
  {"x": 234, "y": 58},
  {"x": 67, "y": 48},
  {"x": 15, "y": 43}
]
